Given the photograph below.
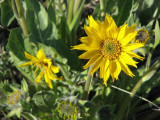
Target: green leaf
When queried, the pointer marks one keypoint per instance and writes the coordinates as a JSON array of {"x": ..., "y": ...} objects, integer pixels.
[
  {"x": 24, "y": 86},
  {"x": 52, "y": 13},
  {"x": 7, "y": 15},
  {"x": 124, "y": 7},
  {"x": 151, "y": 71},
  {"x": 17, "y": 45},
  {"x": 11, "y": 113},
  {"x": 38, "y": 23},
  {"x": 76, "y": 17},
  {"x": 157, "y": 34},
  {"x": 44, "y": 31},
  {"x": 150, "y": 25},
  {"x": 18, "y": 112},
  {"x": 28, "y": 116},
  {"x": 44, "y": 100}
]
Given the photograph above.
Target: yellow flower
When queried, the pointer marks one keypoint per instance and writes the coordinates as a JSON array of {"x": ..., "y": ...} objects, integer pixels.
[
  {"x": 108, "y": 47},
  {"x": 45, "y": 66},
  {"x": 142, "y": 36}
]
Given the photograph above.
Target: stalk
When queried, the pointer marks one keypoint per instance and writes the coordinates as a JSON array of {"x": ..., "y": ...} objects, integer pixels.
[
  {"x": 87, "y": 85},
  {"x": 64, "y": 72},
  {"x": 21, "y": 17},
  {"x": 102, "y": 6}
]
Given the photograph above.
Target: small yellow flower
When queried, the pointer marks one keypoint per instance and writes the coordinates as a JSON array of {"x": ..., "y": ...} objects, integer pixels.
[
  {"x": 45, "y": 66},
  {"x": 142, "y": 36},
  {"x": 108, "y": 47},
  {"x": 67, "y": 109},
  {"x": 14, "y": 97}
]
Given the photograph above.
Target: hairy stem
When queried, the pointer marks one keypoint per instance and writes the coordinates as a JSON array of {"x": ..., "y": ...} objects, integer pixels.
[
  {"x": 21, "y": 17},
  {"x": 87, "y": 85}
]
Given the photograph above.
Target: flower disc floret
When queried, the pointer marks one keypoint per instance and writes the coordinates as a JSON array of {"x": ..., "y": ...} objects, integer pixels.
[{"x": 110, "y": 49}]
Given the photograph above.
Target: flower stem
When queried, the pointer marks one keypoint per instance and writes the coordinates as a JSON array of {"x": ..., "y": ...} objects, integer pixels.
[
  {"x": 87, "y": 85},
  {"x": 64, "y": 72},
  {"x": 144, "y": 78},
  {"x": 102, "y": 6},
  {"x": 21, "y": 17}
]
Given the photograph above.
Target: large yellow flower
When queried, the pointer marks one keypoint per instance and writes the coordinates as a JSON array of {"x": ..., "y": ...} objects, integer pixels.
[
  {"x": 45, "y": 66},
  {"x": 108, "y": 47}
]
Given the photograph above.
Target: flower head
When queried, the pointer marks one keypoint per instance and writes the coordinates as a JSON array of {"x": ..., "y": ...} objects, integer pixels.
[
  {"x": 108, "y": 47},
  {"x": 142, "y": 36},
  {"x": 67, "y": 109},
  {"x": 14, "y": 97},
  {"x": 45, "y": 66}
]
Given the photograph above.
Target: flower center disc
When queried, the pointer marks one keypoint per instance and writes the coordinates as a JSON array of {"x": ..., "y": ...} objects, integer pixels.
[{"x": 110, "y": 49}]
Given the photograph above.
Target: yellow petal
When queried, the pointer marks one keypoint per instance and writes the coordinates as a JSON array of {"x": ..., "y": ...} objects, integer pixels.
[
  {"x": 40, "y": 55},
  {"x": 92, "y": 32},
  {"x": 122, "y": 32},
  {"x": 106, "y": 76},
  {"x": 28, "y": 56},
  {"x": 112, "y": 32},
  {"x": 80, "y": 47},
  {"x": 130, "y": 29},
  {"x": 91, "y": 61},
  {"x": 101, "y": 30},
  {"x": 115, "y": 69},
  {"x": 128, "y": 38},
  {"x": 128, "y": 59},
  {"x": 55, "y": 69},
  {"x": 39, "y": 77},
  {"x": 48, "y": 81},
  {"x": 91, "y": 42},
  {"x": 52, "y": 75},
  {"x": 109, "y": 21},
  {"x": 102, "y": 68},
  {"x": 125, "y": 68},
  {"x": 89, "y": 54},
  {"x": 96, "y": 65},
  {"x": 107, "y": 64},
  {"x": 92, "y": 22},
  {"x": 135, "y": 55},
  {"x": 133, "y": 46},
  {"x": 26, "y": 64}
]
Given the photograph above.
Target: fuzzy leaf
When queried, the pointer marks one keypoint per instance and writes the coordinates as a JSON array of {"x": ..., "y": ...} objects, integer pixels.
[
  {"x": 44, "y": 31},
  {"x": 11, "y": 113},
  {"x": 7, "y": 15},
  {"x": 157, "y": 34},
  {"x": 17, "y": 45},
  {"x": 44, "y": 100}
]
